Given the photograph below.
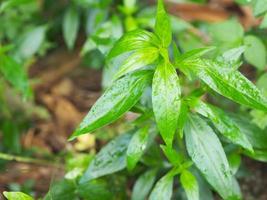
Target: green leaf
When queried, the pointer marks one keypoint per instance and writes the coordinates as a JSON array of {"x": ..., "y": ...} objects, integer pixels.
[
  {"x": 190, "y": 185},
  {"x": 173, "y": 156},
  {"x": 259, "y": 7},
  {"x": 255, "y": 53},
  {"x": 15, "y": 74},
  {"x": 256, "y": 136},
  {"x": 163, "y": 188},
  {"x": 137, "y": 147},
  {"x": 94, "y": 190},
  {"x": 264, "y": 22},
  {"x": 259, "y": 155},
  {"x": 140, "y": 58},
  {"x": 166, "y": 100},
  {"x": 110, "y": 159},
  {"x": 143, "y": 185},
  {"x": 31, "y": 42},
  {"x": 71, "y": 23},
  {"x": 227, "y": 82},
  {"x": 234, "y": 160},
  {"x": 182, "y": 118},
  {"x": 195, "y": 53},
  {"x": 17, "y": 196},
  {"x": 13, "y": 3},
  {"x": 133, "y": 40},
  {"x": 163, "y": 25},
  {"x": 224, "y": 124},
  {"x": 116, "y": 100},
  {"x": 208, "y": 155}
]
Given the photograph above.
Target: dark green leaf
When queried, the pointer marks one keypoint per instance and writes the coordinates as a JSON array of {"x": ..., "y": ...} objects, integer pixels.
[
  {"x": 256, "y": 136},
  {"x": 190, "y": 185},
  {"x": 140, "y": 58},
  {"x": 143, "y": 185},
  {"x": 163, "y": 25},
  {"x": 255, "y": 53},
  {"x": 208, "y": 155},
  {"x": 15, "y": 74},
  {"x": 116, "y": 100},
  {"x": 94, "y": 190},
  {"x": 71, "y": 23},
  {"x": 110, "y": 159},
  {"x": 5, "y": 5},
  {"x": 133, "y": 40},
  {"x": 166, "y": 100},
  {"x": 17, "y": 196},
  {"x": 137, "y": 147},
  {"x": 224, "y": 124},
  {"x": 163, "y": 188},
  {"x": 227, "y": 82}
]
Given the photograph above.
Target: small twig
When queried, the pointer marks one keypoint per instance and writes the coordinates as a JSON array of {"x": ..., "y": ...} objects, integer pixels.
[{"x": 29, "y": 160}]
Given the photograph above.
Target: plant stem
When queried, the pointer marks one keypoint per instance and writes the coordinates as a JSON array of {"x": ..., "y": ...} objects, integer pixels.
[{"x": 9, "y": 157}]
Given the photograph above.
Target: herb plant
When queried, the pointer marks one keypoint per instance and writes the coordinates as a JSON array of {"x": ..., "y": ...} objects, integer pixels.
[{"x": 201, "y": 142}]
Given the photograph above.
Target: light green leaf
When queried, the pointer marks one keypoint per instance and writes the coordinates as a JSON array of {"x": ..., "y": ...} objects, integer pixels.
[
  {"x": 182, "y": 118},
  {"x": 259, "y": 7},
  {"x": 116, "y": 100},
  {"x": 255, "y": 53},
  {"x": 143, "y": 185},
  {"x": 227, "y": 82},
  {"x": 110, "y": 159},
  {"x": 31, "y": 42},
  {"x": 71, "y": 23},
  {"x": 259, "y": 155},
  {"x": 137, "y": 147},
  {"x": 5, "y": 5},
  {"x": 133, "y": 40},
  {"x": 163, "y": 25},
  {"x": 207, "y": 153},
  {"x": 190, "y": 185},
  {"x": 17, "y": 196},
  {"x": 15, "y": 74},
  {"x": 166, "y": 100},
  {"x": 264, "y": 22},
  {"x": 234, "y": 160},
  {"x": 163, "y": 188},
  {"x": 140, "y": 58},
  {"x": 224, "y": 124}
]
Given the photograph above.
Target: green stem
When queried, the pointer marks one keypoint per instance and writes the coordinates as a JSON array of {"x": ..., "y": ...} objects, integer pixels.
[{"x": 9, "y": 157}]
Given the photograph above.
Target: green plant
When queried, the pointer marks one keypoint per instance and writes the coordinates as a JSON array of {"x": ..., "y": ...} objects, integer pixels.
[{"x": 196, "y": 134}]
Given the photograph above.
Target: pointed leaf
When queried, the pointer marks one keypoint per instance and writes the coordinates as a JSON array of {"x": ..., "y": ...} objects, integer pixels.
[
  {"x": 166, "y": 100},
  {"x": 110, "y": 159},
  {"x": 227, "y": 82},
  {"x": 116, "y": 100},
  {"x": 133, "y": 40},
  {"x": 137, "y": 147},
  {"x": 190, "y": 185},
  {"x": 208, "y": 155},
  {"x": 140, "y": 58},
  {"x": 163, "y": 188},
  {"x": 143, "y": 185},
  {"x": 17, "y": 196},
  {"x": 71, "y": 23},
  {"x": 163, "y": 25},
  {"x": 173, "y": 156},
  {"x": 224, "y": 124}
]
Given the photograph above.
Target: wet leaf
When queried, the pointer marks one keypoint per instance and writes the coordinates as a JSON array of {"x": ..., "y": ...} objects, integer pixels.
[
  {"x": 116, "y": 100},
  {"x": 227, "y": 82},
  {"x": 166, "y": 100},
  {"x": 143, "y": 185},
  {"x": 163, "y": 25},
  {"x": 133, "y": 40},
  {"x": 224, "y": 124},
  {"x": 207, "y": 153},
  {"x": 137, "y": 146},
  {"x": 163, "y": 188},
  {"x": 190, "y": 185},
  {"x": 110, "y": 159}
]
